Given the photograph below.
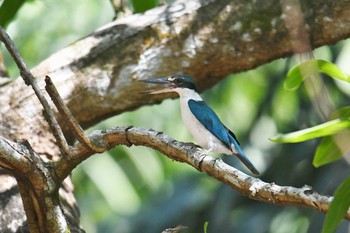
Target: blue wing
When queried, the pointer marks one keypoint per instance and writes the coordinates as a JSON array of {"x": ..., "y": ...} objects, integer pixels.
[{"x": 211, "y": 122}]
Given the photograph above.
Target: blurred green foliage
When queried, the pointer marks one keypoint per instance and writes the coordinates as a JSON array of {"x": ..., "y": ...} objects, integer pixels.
[
  {"x": 140, "y": 6},
  {"x": 321, "y": 130},
  {"x": 338, "y": 208},
  {"x": 205, "y": 227},
  {"x": 139, "y": 190},
  {"x": 43, "y": 27},
  {"x": 336, "y": 135},
  {"x": 302, "y": 71},
  {"x": 8, "y": 10}
]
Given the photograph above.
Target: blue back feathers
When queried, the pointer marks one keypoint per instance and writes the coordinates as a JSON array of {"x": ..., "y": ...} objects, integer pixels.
[
  {"x": 211, "y": 122},
  {"x": 205, "y": 115}
]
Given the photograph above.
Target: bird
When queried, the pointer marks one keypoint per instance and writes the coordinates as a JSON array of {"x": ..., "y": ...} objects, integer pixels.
[{"x": 202, "y": 122}]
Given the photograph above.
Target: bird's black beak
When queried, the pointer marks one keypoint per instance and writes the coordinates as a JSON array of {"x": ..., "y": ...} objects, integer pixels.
[
  {"x": 156, "y": 80},
  {"x": 168, "y": 85}
]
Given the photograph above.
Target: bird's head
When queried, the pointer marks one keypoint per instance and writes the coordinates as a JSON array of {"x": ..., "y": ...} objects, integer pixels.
[{"x": 172, "y": 83}]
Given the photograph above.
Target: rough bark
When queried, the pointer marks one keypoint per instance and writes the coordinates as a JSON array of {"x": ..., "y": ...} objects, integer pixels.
[
  {"x": 97, "y": 75},
  {"x": 209, "y": 39}
]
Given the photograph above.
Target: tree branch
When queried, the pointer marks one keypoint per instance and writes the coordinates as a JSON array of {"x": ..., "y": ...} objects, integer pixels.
[
  {"x": 68, "y": 116},
  {"x": 251, "y": 187},
  {"x": 208, "y": 39},
  {"x": 36, "y": 181},
  {"x": 30, "y": 80},
  {"x": 37, "y": 184}
]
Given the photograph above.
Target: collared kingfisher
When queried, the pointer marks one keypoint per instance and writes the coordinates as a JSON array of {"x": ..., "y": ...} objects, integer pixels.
[{"x": 204, "y": 125}]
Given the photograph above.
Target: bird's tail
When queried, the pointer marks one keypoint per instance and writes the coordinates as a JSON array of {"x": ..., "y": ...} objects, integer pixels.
[{"x": 240, "y": 154}]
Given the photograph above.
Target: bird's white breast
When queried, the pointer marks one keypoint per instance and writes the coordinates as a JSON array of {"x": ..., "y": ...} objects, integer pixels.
[{"x": 202, "y": 136}]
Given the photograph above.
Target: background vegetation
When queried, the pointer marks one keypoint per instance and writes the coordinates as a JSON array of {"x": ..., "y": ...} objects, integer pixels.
[{"x": 118, "y": 193}]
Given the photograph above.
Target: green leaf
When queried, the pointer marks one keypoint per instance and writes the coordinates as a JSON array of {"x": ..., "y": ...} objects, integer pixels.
[
  {"x": 332, "y": 70},
  {"x": 338, "y": 207},
  {"x": 325, "y": 129},
  {"x": 298, "y": 73},
  {"x": 294, "y": 79},
  {"x": 141, "y": 6},
  {"x": 342, "y": 113},
  {"x": 327, "y": 152},
  {"x": 205, "y": 227},
  {"x": 8, "y": 10}
]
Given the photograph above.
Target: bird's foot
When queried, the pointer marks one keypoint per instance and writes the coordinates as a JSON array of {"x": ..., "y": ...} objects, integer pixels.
[
  {"x": 217, "y": 159},
  {"x": 204, "y": 152},
  {"x": 191, "y": 144}
]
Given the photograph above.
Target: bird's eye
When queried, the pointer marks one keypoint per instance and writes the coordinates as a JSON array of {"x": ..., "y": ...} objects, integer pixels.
[{"x": 178, "y": 81}]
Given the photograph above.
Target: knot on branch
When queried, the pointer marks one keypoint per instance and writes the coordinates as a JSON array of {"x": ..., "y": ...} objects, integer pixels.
[{"x": 129, "y": 143}]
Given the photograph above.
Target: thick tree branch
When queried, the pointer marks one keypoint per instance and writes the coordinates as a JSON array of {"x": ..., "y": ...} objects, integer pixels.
[
  {"x": 37, "y": 184},
  {"x": 251, "y": 187},
  {"x": 207, "y": 38}
]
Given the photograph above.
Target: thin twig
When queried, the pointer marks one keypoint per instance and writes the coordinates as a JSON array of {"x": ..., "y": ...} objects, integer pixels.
[
  {"x": 30, "y": 80},
  {"x": 68, "y": 116}
]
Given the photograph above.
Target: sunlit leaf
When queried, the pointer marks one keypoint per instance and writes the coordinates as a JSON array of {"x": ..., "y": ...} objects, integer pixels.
[
  {"x": 332, "y": 70},
  {"x": 205, "y": 227},
  {"x": 325, "y": 129},
  {"x": 294, "y": 79},
  {"x": 298, "y": 73},
  {"x": 327, "y": 152},
  {"x": 338, "y": 207}
]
